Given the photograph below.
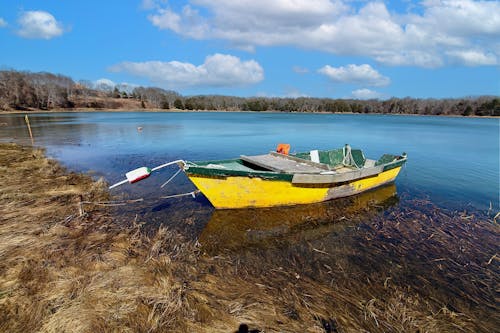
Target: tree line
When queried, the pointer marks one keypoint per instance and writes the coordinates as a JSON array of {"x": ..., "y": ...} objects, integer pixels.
[{"x": 46, "y": 91}]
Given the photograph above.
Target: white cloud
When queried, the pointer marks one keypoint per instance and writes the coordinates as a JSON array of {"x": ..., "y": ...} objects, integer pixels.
[
  {"x": 357, "y": 74},
  {"x": 188, "y": 23},
  {"x": 430, "y": 36},
  {"x": 474, "y": 58},
  {"x": 104, "y": 84},
  {"x": 127, "y": 87},
  {"x": 366, "y": 94},
  {"x": 261, "y": 14},
  {"x": 166, "y": 19},
  {"x": 460, "y": 18},
  {"x": 39, "y": 24},
  {"x": 3, "y": 23},
  {"x": 420, "y": 58},
  {"x": 218, "y": 70},
  {"x": 108, "y": 85},
  {"x": 246, "y": 23}
]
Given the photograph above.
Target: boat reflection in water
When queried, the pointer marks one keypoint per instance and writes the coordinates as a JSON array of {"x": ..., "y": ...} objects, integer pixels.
[{"x": 241, "y": 228}]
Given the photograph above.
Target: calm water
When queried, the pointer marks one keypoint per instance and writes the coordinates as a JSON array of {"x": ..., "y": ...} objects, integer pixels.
[
  {"x": 452, "y": 161},
  {"x": 352, "y": 244}
]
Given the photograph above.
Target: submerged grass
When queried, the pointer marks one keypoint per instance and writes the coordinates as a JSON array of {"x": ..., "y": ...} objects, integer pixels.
[{"x": 378, "y": 270}]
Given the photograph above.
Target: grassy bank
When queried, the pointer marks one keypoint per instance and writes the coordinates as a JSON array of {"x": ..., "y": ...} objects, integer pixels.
[
  {"x": 374, "y": 269},
  {"x": 61, "y": 272}
]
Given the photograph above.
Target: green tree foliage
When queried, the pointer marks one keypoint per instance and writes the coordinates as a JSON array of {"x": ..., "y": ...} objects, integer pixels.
[
  {"x": 116, "y": 93},
  {"x": 489, "y": 108},
  {"x": 468, "y": 111},
  {"x": 255, "y": 104},
  {"x": 178, "y": 104}
]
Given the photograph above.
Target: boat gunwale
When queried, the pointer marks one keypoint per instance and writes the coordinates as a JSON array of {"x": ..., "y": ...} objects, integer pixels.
[{"x": 194, "y": 169}]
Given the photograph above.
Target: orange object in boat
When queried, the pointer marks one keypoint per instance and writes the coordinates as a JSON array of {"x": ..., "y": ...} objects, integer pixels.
[{"x": 283, "y": 148}]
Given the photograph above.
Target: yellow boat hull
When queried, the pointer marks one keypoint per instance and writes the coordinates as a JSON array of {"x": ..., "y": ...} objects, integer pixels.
[{"x": 243, "y": 192}]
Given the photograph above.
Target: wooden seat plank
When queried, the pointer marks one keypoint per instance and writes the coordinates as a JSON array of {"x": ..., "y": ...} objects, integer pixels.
[{"x": 280, "y": 164}]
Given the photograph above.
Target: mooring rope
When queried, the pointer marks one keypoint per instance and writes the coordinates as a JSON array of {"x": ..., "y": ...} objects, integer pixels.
[
  {"x": 112, "y": 203},
  {"x": 144, "y": 172},
  {"x": 348, "y": 158},
  {"x": 192, "y": 193},
  {"x": 167, "y": 164},
  {"x": 170, "y": 179},
  {"x": 118, "y": 184},
  {"x": 139, "y": 174},
  {"x": 131, "y": 201},
  {"x": 126, "y": 202}
]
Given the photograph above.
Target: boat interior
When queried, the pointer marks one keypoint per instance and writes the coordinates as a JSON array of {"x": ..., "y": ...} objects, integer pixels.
[{"x": 336, "y": 161}]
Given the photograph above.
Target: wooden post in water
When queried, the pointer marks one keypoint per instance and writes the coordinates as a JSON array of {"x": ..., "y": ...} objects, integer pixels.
[
  {"x": 81, "y": 211},
  {"x": 29, "y": 129}
]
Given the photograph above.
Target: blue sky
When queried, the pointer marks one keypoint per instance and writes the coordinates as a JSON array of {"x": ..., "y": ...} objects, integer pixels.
[{"x": 284, "y": 48}]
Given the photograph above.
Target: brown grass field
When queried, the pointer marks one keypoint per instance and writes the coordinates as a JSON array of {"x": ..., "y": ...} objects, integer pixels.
[{"x": 394, "y": 270}]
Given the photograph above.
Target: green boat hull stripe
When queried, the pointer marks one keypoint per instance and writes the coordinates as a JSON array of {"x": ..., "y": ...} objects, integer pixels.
[{"x": 212, "y": 169}]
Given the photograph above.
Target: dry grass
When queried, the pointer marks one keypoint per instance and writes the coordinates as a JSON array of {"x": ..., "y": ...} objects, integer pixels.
[
  {"x": 64, "y": 273},
  {"x": 405, "y": 272},
  {"x": 368, "y": 271},
  {"x": 104, "y": 102}
]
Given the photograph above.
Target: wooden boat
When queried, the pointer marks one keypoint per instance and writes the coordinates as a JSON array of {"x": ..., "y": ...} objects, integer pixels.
[{"x": 279, "y": 179}]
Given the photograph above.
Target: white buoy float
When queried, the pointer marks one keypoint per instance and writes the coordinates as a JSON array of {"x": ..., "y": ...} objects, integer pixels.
[
  {"x": 138, "y": 174},
  {"x": 144, "y": 172}
]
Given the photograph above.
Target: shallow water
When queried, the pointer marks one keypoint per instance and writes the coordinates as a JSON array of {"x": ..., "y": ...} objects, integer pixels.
[{"x": 453, "y": 161}]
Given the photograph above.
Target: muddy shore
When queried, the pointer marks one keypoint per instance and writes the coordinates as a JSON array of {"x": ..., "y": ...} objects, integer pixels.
[{"x": 376, "y": 269}]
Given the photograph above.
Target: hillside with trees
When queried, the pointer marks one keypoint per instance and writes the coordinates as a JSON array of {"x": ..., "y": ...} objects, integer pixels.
[{"x": 26, "y": 91}]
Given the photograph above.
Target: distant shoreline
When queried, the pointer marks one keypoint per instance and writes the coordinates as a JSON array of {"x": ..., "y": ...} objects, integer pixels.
[
  {"x": 27, "y": 92},
  {"x": 92, "y": 110}
]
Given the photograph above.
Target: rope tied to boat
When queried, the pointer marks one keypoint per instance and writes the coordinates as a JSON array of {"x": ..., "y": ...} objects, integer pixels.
[
  {"x": 170, "y": 179},
  {"x": 144, "y": 172},
  {"x": 192, "y": 193},
  {"x": 348, "y": 158},
  {"x": 114, "y": 203}
]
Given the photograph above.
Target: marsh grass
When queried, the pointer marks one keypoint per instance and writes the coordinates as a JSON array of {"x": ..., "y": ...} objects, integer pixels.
[
  {"x": 398, "y": 271},
  {"x": 414, "y": 269},
  {"x": 66, "y": 273}
]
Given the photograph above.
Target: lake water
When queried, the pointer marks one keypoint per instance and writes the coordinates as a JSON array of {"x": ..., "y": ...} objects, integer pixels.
[
  {"x": 375, "y": 245},
  {"x": 452, "y": 161}
]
